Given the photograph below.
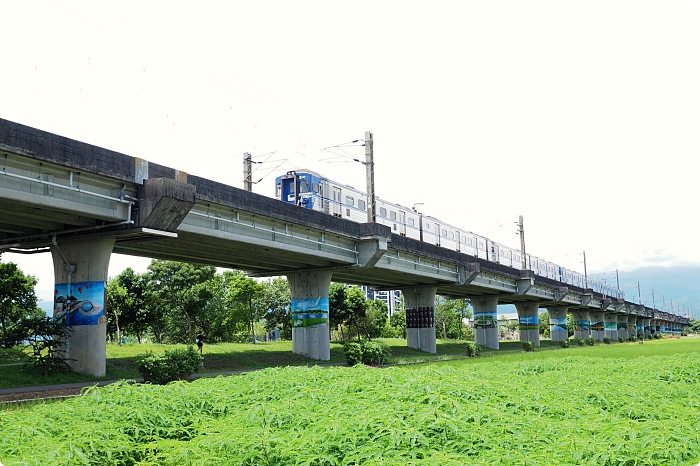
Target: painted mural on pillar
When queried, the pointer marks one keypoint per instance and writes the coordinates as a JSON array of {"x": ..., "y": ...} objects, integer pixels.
[
  {"x": 528, "y": 322},
  {"x": 621, "y": 326},
  {"x": 422, "y": 317},
  {"x": 82, "y": 304},
  {"x": 611, "y": 326},
  {"x": 598, "y": 326},
  {"x": 485, "y": 320},
  {"x": 309, "y": 312},
  {"x": 581, "y": 325},
  {"x": 558, "y": 323}
]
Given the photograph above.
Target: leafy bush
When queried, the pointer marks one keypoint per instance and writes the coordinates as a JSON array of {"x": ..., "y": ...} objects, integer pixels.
[
  {"x": 590, "y": 341},
  {"x": 473, "y": 349},
  {"x": 528, "y": 346},
  {"x": 564, "y": 343},
  {"x": 178, "y": 364},
  {"x": 620, "y": 339},
  {"x": 579, "y": 342},
  {"x": 46, "y": 338},
  {"x": 633, "y": 338},
  {"x": 607, "y": 340},
  {"x": 353, "y": 353},
  {"x": 657, "y": 336},
  {"x": 375, "y": 353}
]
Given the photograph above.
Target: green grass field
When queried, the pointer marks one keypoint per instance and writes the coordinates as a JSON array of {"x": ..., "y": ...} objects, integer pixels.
[{"x": 624, "y": 404}]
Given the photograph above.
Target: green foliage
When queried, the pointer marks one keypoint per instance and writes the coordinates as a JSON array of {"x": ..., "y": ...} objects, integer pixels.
[
  {"x": 564, "y": 343},
  {"x": 244, "y": 298},
  {"x": 17, "y": 302},
  {"x": 375, "y": 318},
  {"x": 620, "y": 339},
  {"x": 451, "y": 413},
  {"x": 178, "y": 364},
  {"x": 353, "y": 353},
  {"x": 590, "y": 341},
  {"x": 633, "y": 338},
  {"x": 276, "y": 302},
  {"x": 607, "y": 340},
  {"x": 544, "y": 324},
  {"x": 46, "y": 341},
  {"x": 375, "y": 353},
  {"x": 579, "y": 341},
  {"x": 398, "y": 322},
  {"x": 473, "y": 349},
  {"x": 657, "y": 336},
  {"x": 347, "y": 307},
  {"x": 528, "y": 346},
  {"x": 449, "y": 316}
]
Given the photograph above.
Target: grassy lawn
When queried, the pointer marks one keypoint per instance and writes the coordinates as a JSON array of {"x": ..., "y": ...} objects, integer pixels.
[{"x": 226, "y": 357}]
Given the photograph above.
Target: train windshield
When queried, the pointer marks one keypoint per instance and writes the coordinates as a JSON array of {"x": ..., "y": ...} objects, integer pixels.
[{"x": 303, "y": 186}]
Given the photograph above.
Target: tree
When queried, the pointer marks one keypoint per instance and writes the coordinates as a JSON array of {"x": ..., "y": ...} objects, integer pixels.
[
  {"x": 376, "y": 318},
  {"x": 17, "y": 302},
  {"x": 179, "y": 287},
  {"x": 544, "y": 324},
  {"x": 277, "y": 301},
  {"x": 139, "y": 316},
  {"x": 338, "y": 311},
  {"x": 398, "y": 321},
  {"x": 448, "y": 316},
  {"x": 118, "y": 303},
  {"x": 244, "y": 295},
  {"x": 356, "y": 304}
]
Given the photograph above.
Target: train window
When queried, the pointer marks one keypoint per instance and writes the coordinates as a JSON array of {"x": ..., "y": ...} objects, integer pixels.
[
  {"x": 411, "y": 222},
  {"x": 303, "y": 186},
  {"x": 444, "y": 232},
  {"x": 382, "y": 211},
  {"x": 315, "y": 187},
  {"x": 348, "y": 212},
  {"x": 392, "y": 214},
  {"x": 361, "y": 204},
  {"x": 349, "y": 200},
  {"x": 278, "y": 190},
  {"x": 481, "y": 245},
  {"x": 427, "y": 225},
  {"x": 470, "y": 242},
  {"x": 452, "y": 235}
]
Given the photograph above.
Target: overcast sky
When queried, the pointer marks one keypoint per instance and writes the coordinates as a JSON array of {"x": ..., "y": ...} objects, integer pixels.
[{"x": 581, "y": 116}]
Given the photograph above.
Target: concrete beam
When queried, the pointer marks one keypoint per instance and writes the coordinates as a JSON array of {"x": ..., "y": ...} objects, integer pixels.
[
  {"x": 525, "y": 282},
  {"x": 369, "y": 251},
  {"x": 561, "y": 293},
  {"x": 164, "y": 203}
]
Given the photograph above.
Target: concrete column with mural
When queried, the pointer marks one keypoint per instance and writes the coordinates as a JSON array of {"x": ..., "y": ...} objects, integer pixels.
[
  {"x": 419, "y": 302},
  {"x": 647, "y": 328},
  {"x": 486, "y": 321},
  {"x": 80, "y": 300},
  {"x": 311, "y": 335},
  {"x": 610, "y": 325},
  {"x": 632, "y": 326},
  {"x": 597, "y": 324},
  {"x": 581, "y": 323},
  {"x": 558, "y": 330},
  {"x": 529, "y": 322},
  {"x": 622, "y": 330}
]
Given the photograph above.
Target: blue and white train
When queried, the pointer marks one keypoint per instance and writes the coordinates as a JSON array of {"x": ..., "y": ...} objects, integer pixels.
[{"x": 308, "y": 189}]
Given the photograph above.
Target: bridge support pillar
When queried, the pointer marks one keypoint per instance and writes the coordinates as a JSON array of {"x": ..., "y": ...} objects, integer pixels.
[
  {"x": 610, "y": 325},
  {"x": 581, "y": 324},
  {"x": 529, "y": 322},
  {"x": 647, "y": 328},
  {"x": 597, "y": 324},
  {"x": 558, "y": 330},
  {"x": 632, "y": 325},
  {"x": 420, "y": 317},
  {"x": 311, "y": 335},
  {"x": 486, "y": 321},
  {"x": 622, "y": 330},
  {"x": 80, "y": 276}
]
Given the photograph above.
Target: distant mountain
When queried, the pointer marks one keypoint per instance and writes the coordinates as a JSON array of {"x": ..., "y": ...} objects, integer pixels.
[{"x": 678, "y": 285}]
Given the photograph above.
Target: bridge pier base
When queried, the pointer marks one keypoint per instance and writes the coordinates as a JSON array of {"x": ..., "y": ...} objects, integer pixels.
[
  {"x": 647, "y": 328},
  {"x": 581, "y": 324},
  {"x": 632, "y": 326},
  {"x": 80, "y": 290},
  {"x": 310, "y": 328},
  {"x": 529, "y": 322},
  {"x": 610, "y": 325},
  {"x": 557, "y": 322},
  {"x": 622, "y": 327},
  {"x": 420, "y": 318},
  {"x": 486, "y": 321},
  {"x": 597, "y": 324}
]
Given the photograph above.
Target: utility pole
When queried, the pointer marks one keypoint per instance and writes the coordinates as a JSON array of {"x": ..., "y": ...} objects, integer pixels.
[
  {"x": 369, "y": 164},
  {"x": 585, "y": 272},
  {"x": 617, "y": 275},
  {"x": 653, "y": 300},
  {"x": 521, "y": 230},
  {"x": 248, "y": 171},
  {"x": 639, "y": 292}
]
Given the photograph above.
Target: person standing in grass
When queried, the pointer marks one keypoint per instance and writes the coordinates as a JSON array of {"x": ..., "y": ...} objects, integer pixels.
[{"x": 200, "y": 342}]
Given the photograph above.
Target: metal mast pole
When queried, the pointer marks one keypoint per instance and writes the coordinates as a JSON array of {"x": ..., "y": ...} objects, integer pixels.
[
  {"x": 521, "y": 228},
  {"x": 639, "y": 292},
  {"x": 585, "y": 273},
  {"x": 617, "y": 275},
  {"x": 653, "y": 300},
  {"x": 247, "y": 171},
  {"x": 369, "y": 164}
]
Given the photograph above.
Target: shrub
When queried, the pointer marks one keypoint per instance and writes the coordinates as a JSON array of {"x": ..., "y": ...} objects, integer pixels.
[
  {"x": 620, "y": 339},
  {"x": 353, "y": 353},
  {"x": 375, "y": 353},
  {"x": 46, "y": 339},
  {"x": 473, "y": 349},
  {"x": 607, "y": 340},
  {"x": 564, "y": 343},
  {"x": 633, "y": 338},
  {"x": 590, "y": 341},
  {"x": 178, "y": 364},
  {"x": 528, "y": 346},
  {"x": 657, "y": 336},
  {"x": 579, "y": 342}
]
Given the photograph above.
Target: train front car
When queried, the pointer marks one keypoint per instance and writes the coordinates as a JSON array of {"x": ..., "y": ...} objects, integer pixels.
[{"x": 302, "y": 188}]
